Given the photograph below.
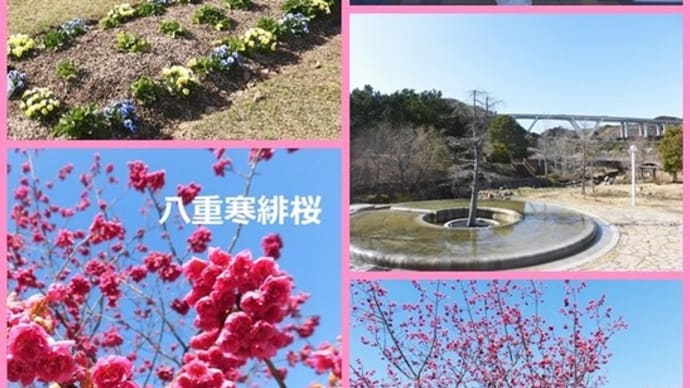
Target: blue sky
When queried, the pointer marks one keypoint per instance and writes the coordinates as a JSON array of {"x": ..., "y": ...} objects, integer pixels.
[
  {"x": 647, "y": 354},
  {"x": 601, "y": 64},
  {"x": 311, "y": 253}
]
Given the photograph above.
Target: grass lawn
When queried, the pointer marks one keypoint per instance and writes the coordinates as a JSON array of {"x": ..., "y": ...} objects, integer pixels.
[
  {"x": 33, "y": 16},
  {"x": 295, "y": 104}
]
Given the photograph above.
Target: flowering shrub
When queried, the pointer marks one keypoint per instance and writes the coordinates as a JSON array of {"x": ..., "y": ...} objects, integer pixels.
[
  {"x": 293, "y": 25},
  {"x": 259, "y": 40},
  {"x": 20, "y": 45},
  {"x": 74, "y": 28},
  {"x": 179, "y": 80},
  {"x": 212, "y": 16},
  {"x": 16, "y": 83},
  {"x": 233, "y": 43},
  {"x": 171, "y": 28},
  {"x": 309, "y": 8},
  {"x": 130, "y": 43},
  {"x": 121, "y": 305},
  {"x": 82, "y": 122},
  {"x": 146, "y": 90},
  {"x": 150, "y": 9},
  {"x": 39, "y": 103},
  {"x": 61, "y": 37},
  {"x": 67, "y": 70},
  {"x": 202, "y": 66},
  {"x": 224, "y": 59},
  {"x": 55, "y": 40},
  {"x": 117, "y": 16},
  {"x": 491, "y": 331},
  {"x": 239, "y": 4},
  {"x": 268, "y": 24},
  {"x": 122, "y": 114}
]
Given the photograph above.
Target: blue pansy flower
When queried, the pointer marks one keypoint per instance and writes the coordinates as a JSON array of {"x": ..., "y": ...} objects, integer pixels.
[{"x": 16, "y": 82}]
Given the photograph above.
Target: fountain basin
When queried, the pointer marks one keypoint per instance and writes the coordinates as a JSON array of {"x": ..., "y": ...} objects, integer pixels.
[
  {"x": 487, "y": 217},
  {"x": 416, "y": 235}
]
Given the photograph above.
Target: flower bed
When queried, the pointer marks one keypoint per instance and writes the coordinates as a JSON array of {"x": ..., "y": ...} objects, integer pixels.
[{"x": 124, "y": 47}]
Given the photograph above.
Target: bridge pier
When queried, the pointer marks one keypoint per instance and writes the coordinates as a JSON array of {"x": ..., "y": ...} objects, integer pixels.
[{"x": 644, "y": 130}]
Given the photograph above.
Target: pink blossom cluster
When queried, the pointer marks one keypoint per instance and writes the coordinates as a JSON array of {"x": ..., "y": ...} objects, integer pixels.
[
  {"x": 325, "y": 358},
  {"x": 140, "y": 178},
  {"x": 222, "y": 163},
  {"x": 103, "y": 230},
  {"x": 188, "y": 192},
  {"x": 259, "y": 154},
  {"x": 199, "y": 239},
  {"x": 272, "y": 244},
  {"x": 32, "y": 354},
  {"x": 163, "y": 264},
  {"x": 157, "y": 262},
  {"x": 239, "y": 303},
  {"x": 113, "y": 372}
]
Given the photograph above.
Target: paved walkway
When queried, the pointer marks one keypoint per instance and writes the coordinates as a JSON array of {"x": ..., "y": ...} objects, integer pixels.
[{"x": 651, "y": 233}]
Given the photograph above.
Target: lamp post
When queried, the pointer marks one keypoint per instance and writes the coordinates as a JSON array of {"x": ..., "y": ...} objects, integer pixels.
[{"x": 633, "y": 151}]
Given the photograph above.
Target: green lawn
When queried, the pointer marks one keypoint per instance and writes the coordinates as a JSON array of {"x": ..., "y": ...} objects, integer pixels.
[
  {"x": 303, "y": 102},
  {"x": 33, "y": 16}
]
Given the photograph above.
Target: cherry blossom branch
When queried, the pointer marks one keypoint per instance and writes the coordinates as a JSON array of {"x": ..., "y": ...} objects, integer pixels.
[
  {"x": 247, "y": 186},
  {"x": 163, "y": 317},
  {"x": 166, "y": 233},
  {"x": 275, "y": 373},
  {"x": 387, "y": 325},
  {"x": 158, "y": 350},
  {"x": 434, "y": 336}
]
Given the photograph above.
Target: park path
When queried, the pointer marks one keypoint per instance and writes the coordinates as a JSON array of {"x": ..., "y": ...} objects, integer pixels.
[{"x": 651, "y": 233}]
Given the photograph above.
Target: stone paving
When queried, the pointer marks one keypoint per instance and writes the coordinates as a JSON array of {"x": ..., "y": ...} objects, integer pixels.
[{"x": 651, "y": 233}]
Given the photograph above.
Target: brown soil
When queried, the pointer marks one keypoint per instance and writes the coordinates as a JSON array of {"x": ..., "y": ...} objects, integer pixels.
[{"x": 106, "y": 74}]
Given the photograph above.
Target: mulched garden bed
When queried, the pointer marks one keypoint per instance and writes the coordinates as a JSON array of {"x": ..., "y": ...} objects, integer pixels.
[{"x": 106, "y": 75}]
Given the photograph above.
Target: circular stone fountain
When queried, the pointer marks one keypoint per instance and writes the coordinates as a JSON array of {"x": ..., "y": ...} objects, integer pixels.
[
  {"x": 485, "y": 217},
  {"x": 433, "y": 235}
]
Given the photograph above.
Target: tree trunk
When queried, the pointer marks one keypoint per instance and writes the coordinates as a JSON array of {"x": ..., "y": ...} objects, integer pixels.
[{"x": 472, "y": 211}]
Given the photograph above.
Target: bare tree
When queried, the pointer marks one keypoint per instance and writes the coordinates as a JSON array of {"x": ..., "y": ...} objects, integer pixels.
[
  {"x": 480, "y": 123},
  {"x": 404, "y": 158}
]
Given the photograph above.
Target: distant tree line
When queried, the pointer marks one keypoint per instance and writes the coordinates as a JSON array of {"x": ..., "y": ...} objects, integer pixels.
[
  {"x": 400, "y": 141},
  {"x": 369, "y": 108}
]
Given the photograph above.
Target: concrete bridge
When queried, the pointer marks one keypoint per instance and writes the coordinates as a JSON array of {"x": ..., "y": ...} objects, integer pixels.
[{"x": 645, "y": 127}]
